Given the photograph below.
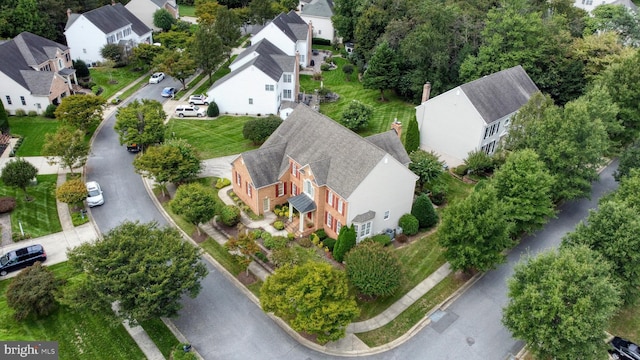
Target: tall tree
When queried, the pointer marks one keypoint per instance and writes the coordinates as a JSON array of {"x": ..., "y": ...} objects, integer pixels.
[
  {"x": 523, "y": 185},
  {"x": 175, "y": 161},
  {"x": 81, "y": 111},
  {"x": 475, "y": 231},
  {"x": 560, "y": 303},
  {"x": 412, "y": 136},
  {"x": 207, "y": 49},
  {"x": 346, "y": 240},
  {"x": 245, "y": 245},
  {"x": 630, "y": 159},
  {"x": 262, "y": 11},
  {"x": 620, "y": 19},
  {"x": 426, "y": 165},
  {"x": 597, "y": 51},
  {"x": 144, "y": 54},
  {"x": 177, "y": 64},
  {"x": 345, "y": 16},
  {"x": 611, "y": 231},
  {"x": 33, "y": 292},
  {"x": 67, "y": 147},
  {"x": 144, "y": 268},
  {"x": 600, "y": 105},
  {"x": 163, "y": 19},
  {"x": 141, "y": 123},
  {"x": 382, "y": 71},
  {"x": 313, "y": 298},
  {"x": 227, "y": 26},
  {"x": 373, "y": 269},
  {"x": 196, "y": 202},
  {"x": 19, "y": 173}
]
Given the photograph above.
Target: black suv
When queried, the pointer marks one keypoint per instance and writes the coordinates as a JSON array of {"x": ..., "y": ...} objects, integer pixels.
[
  {"x": 624, "y": 349},
  {"x": 21, "y": 258}
]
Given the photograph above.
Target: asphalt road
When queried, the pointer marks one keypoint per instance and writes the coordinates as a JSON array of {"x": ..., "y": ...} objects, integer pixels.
[{"x": 223, "y": 324}]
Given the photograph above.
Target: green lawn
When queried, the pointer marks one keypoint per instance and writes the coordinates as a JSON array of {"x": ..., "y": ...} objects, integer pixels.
[
  {"x": 213, "y": 138},
  {"x": 627, "y": 324},
  {"x": 39, "y": 216},
  {"x": 161, "y": 335},
  {"x": 186, "y": 10},
  {"x": 32, "y": 129},
  {"x": 113, "y": 80},
  {"x": 80, "y": 334},
  {"x": 384, "y": 112}
]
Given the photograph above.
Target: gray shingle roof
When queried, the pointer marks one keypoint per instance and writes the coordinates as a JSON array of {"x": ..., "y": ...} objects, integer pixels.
[
  {"x": 302, "y": 203},
  {"x": 110, "y": 18},
  {"x": 292, "y": 25},
  {"x": 320, "y": 8},
  {"x": 501, "y": 93},
  {"x": 337, "y": 157},
  {"x": 388, "y": 141},
  {"x": 25, "y": 51}
]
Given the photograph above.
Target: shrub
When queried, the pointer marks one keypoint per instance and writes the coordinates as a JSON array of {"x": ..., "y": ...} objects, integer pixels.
[
  {"x": 222, "y": 182},
  {"x": 325, "y": 67},
  {"x": 213, "y": 110},
  {"x": 461, "y": 170},
  {"x": 279, "y": 225},
  {"x": 329, "y": 243},
  {"x": 96, "y": 89},
  {"x": 16, "y": 236},
  {"x": 346, "y": 241},
  {"x": 402, "y": 238},
  {"x": 32, "y": 292},
  {"x": 305, "y": 242},
  {"x": 71, "y": 191},
  {"x": 423, "y": 210},
  {"x": 276, "y": 242},
  {"x": 33, "y": 113},
  {"x": 356, "y": 115},
  {"x": 438, "y": 193},
  {"x": 478, "y": 161},
  {"x": 7, "y": 204},
  {"x": 321, "y": 234},
  {"x": 82, "y": 71},
  {"x": 320, "y": 41},
  {"x": 291, "y": 236},
  {"x": 259, "y": 130},
  {"x": 20, "y": 112},
  {"x": 317, "y": 76},
  {"x": 230, "y": 215},
  {"x": 382, "y": 239},
  {"x": 262, "y": 257},
  {"x": 373, "y": 270},
  {"x": 409, "y": 224}
]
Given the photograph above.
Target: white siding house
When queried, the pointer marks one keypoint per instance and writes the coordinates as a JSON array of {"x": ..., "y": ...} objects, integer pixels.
[
  {"x": 261, "y": 78},
  {"x": 589, "y": 5},
  {"x": 144, "y": 10},
  {"x": 473, "y": 116},
  {"x": 289, "y": 33},
  {"x": 318, "y": 14},
  {"x": 34, "y": 72},
  {"x": 87, "y": 33}
]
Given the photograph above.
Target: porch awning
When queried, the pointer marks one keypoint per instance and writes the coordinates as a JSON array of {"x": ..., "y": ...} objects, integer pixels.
[{"x": 302, "y": 203}]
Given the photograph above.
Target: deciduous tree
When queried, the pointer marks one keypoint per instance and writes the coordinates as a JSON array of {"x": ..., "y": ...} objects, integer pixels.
[
  {"x": 245, "y": 245},
  {"x": 177, "y": 64},
  {"x": 141, "y": 123},
  {"x": 19, "y": 173},
  {"x": 196, "y": 202},
  {"x": 313, "y": 298},
  {"x": 373, "y": 269},
  {"x": 145, "y": 269},
  {"x": 163, "y": 19},
  {"x": 356, "y": 116},
  {"x": 33, "y": 292},
  {"x": 113, "y": 52},
  {"x": 72, "y": 191},
  {"x": 561, "y": 298},
  {"x": 67, "y": 147},
  {"x": 207, "y": 49},
  {"x": 81, "y": 111},
  {"x": 426, "y": 165},
  {"x": 259, "y": 130},
  {"x": 630, "y": 159},
  {"x": 145, "y": 54},
  {"x": 227, "y": 26}
]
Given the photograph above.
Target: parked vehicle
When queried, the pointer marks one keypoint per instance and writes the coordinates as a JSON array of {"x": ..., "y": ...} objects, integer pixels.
[
  {"x": 198, "y": 100},
  {"x": 190, "y": 110},
  {"x": 168, "y": 92},
  {"x": 21, "y": 258},
  {"x": 133, "y": 148},
  {"x": 624, "y": 349},
  {"x": 94, "y": 198},
  {"x": 156, "y": 78}
]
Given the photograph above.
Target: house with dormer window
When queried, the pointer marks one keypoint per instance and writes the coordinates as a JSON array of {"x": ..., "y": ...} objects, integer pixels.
[
  {"x": 89, "y": 32},
  {"x": 34, "y": 73},
  {"x": 473, "y": 116},
  {"x": 328, "y": 175},
  {"x": 289, "y": 33}
]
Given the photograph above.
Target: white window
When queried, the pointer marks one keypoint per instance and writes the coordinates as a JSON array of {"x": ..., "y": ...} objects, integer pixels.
[
  {"x": 386, "y": 215},
  {"x": 302, "y": 58},
  {"x": 294, "y": 189},
  {"x": 365, "y": 230},
  {"x": 340, "y": 205},
  {"x": 249, "y": 189},
  {"x": 286, "y": 78},
  {"x": 250, "y": 101},
  {"x": 8, "y": 100},
  {"x": 330, "y": 198},
  {"x": 238, "y": 179},
  {"x": 294, "y": 169},
  {"x": 319, "y": 32},
  {"x": 286, "y": 93},
  {"x": 84, "y": 51},
  {"x": 280, "y": 189},
  {"x": 329, "y": 220},
  {"x": 308, "y": 188},
  {"x": 24, "y": 102},
  {"x": 38, "y": 106},
  {"x": 268, "y": 87},
  {"x": 60, "y": 64},
  {"x": 338, "y": 227}
]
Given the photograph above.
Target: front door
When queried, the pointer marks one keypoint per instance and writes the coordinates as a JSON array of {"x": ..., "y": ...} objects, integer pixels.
[{"x": 265, "y": 205}]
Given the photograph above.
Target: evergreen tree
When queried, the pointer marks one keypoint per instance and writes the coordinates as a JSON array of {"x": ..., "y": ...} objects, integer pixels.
[
  {"x": 4, "y": 119},
  {"x": 346, "y": 240},
  {"x": 423, "y": 210},
  {"x": 383, "y": 71},
  {"x": 412, "y": 136}
]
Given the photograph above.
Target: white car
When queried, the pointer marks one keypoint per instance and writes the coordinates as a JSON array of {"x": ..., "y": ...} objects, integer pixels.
[
  {"x": 94, "y": 196},
  {"x": 190, "y": 110},
  {"x": 156, "y": 78},
  {"x": 198, "y": 100}
]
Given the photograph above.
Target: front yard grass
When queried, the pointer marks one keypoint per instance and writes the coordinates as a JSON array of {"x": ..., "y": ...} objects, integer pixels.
[
  {"x": 221, "y": 136},
  {"x": 384, "y": 112},
  {"x": 39, "y": 216},
  {"x": 626, "y": 323},
  {"x": 80, "y": 334},
  {"x": 161, "y": 335},
  {"x": 186, "y": 10},
  {"x": 113, "y": 80},
  {"x": 32, "y": 129}
]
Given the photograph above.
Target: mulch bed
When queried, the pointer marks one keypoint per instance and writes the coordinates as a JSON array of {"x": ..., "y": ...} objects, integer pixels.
[
  {"x": 199, "y": 238},
  {"x": 163, "y": 199},
  {"x": 246, "y": 279}
]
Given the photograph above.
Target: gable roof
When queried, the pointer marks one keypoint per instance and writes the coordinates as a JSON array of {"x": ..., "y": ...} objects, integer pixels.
[
  {"x": 19, "y": 56},
  {"x": 320, "y": 8},
  {"x": 337, "y": 157},
  {"x": 270, "y": 60},
  {"x": 292, "y": 25},
  {"x": 499, "y": 94},
  {"x": 110, "y": 18}
]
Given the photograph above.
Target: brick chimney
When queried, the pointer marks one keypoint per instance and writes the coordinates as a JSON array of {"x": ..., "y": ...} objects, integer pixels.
[
  {"x": 397, "y": 127},
  {"x": 296, "y": 77},
  {"x": 68, "y": 13},
  {"x": 426, "y": 91}
]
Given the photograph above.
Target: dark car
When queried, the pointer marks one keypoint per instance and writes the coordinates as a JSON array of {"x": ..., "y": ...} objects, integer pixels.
[
  {"x": 21, "y": 258},
  {"x": 624, "y": 349},
  {"x": 133, "y": 148}
]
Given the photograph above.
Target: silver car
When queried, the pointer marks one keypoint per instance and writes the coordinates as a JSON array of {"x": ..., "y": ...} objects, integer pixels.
[{"x": 94, "y": 196}]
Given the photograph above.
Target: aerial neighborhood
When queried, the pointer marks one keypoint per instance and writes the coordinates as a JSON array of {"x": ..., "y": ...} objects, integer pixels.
[{"x": 271, "y": 179}]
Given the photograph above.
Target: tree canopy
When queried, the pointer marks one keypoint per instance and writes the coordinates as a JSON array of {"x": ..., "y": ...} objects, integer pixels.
[
  {"x": 144, "y": 268},
  {"x": 141, "y": 122},
  {"x": 19, "y": 173},
  {"x": 259, "y": 130},
  {"x": 174, "y": 161},
  {"x": 313, "y": 297},
  {"x": 33, "y": 292},
  {"x": 373, "y": 269},
  {"x": 426, "y": 165},
  {"x": 196, "y": 202},
  {"x": 177, "y": 64},
  {"x": 67, "y": 147},
  {"x": 356, "y": 116},
  {"x": 163, "y": 19},
  {"x": 208, "y": 49},
  {"x": 382, "y": 71},
  {"x": 81, "y": 111}
]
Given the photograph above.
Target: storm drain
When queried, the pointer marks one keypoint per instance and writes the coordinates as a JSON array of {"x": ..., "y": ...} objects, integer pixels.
[{"x": 441, "y": 320}]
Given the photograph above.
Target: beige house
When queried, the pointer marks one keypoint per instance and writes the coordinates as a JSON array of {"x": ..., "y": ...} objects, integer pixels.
[{"x": 144, "y": 10}]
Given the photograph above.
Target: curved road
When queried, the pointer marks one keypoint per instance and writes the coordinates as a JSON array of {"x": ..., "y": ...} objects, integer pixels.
[{"x": 222, "y": 323}]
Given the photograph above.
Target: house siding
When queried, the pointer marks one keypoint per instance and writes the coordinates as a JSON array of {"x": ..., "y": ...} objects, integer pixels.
[
  {"x": 274, "y": 35},
  {"x": 240, "y": 189},
  {"x": 322, "y": 27},
  {"x": 85, "y": 40},
  {"x": 232, "y": 96},
  {"x": 14, "y": 91}
]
